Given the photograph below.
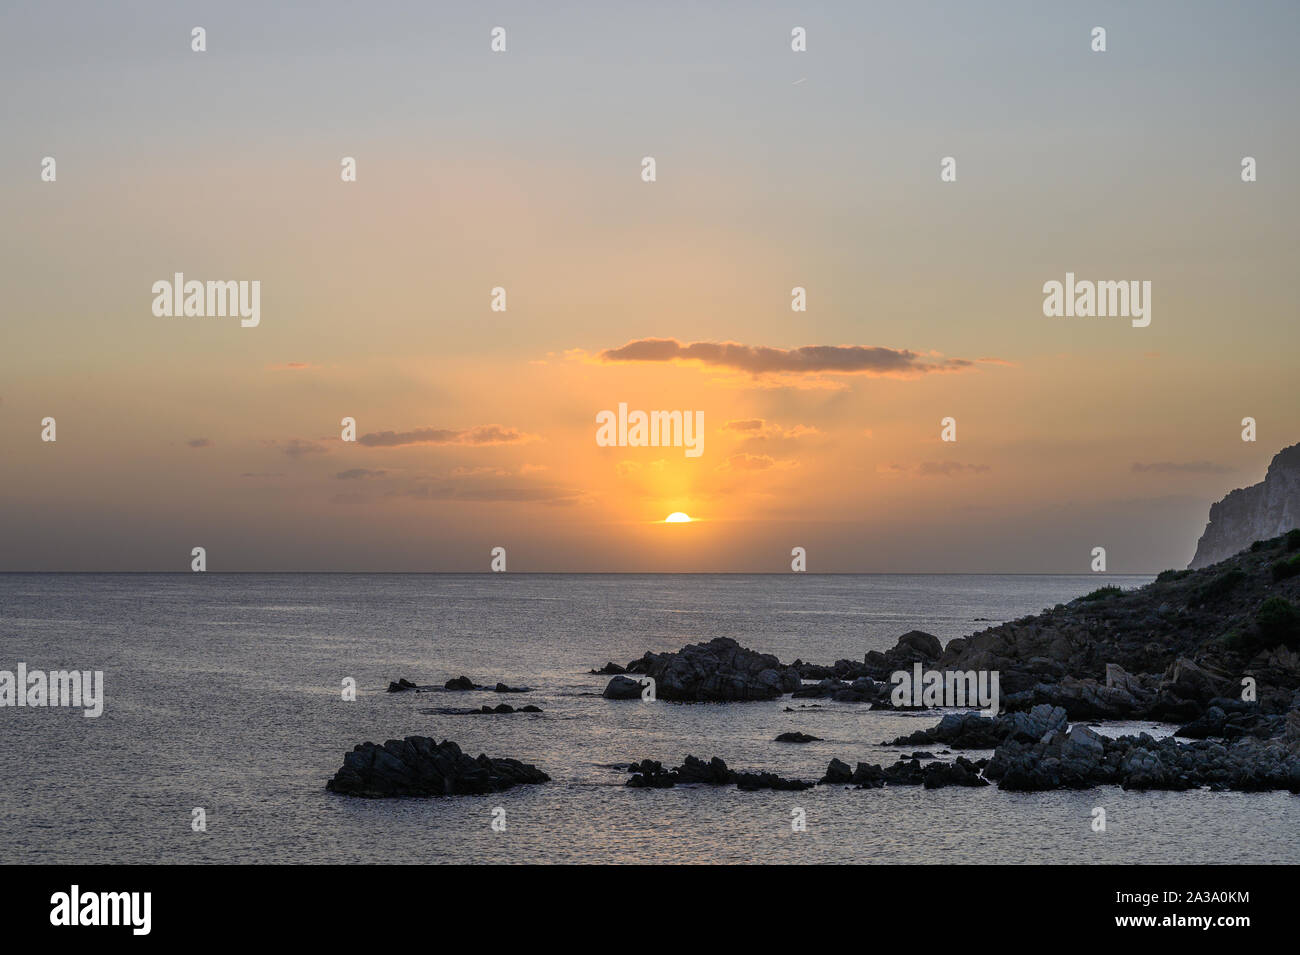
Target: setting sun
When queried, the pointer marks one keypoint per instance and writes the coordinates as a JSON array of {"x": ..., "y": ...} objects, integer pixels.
[{"x": 677, "y": 517}]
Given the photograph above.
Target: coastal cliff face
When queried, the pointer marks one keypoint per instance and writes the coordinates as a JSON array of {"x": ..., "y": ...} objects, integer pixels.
[{"x": 1258, "y": 512}]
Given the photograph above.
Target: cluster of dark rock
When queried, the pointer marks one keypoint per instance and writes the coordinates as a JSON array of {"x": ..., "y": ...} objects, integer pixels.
[
  {"x": 1081, "y": 758},
  {"x": 650, "y": 774},
  {"x": 717, "y": 671},
  {"x": 498, "y": 710},
  {"x": 421, "y": 766},
  {"x": 862, "y": 690},
  {"x": 1232, "y": 719},
  {"x": 403, "y": 685},
  {"x": 797, "y": 738},
  {"x": 974, "y": 731},
  {"x": 907, "y": 772}
]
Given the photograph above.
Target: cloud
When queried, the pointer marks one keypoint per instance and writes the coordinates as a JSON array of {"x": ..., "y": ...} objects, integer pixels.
[
  {"x": 291, "y": 366},
  {"x": 352, "y": 474},
  {"x": 199, "y": 443},
  {"x": 479, "y": 472},
  {"x": 1180, "y": 467},
  {"x": 758, "y": 360},
  {"x": 936, "y": 469},
  {"x": 755, "y": 428},
  {"x": 445, "y": 492},
  {"x": 480, "y": 435},
  {"x": 296, "y": 447},
  {"x": 755, "y": 462}
]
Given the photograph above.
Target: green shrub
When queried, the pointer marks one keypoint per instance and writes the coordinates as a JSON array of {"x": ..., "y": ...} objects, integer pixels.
[
  {"x": 1239, "y": 642},
  {"x": 1293, "y": 539},
  {"x": 1286, "y": 569},
  {"x": 1218, "y": 588},
  {"x": 1168, "y": 576},
  {"x": 1102, "y": 593},
  {"x": 1278, "y": 621}
]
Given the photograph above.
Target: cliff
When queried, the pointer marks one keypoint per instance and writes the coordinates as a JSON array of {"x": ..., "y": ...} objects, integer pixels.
[{"x": 1259, "y": 512}]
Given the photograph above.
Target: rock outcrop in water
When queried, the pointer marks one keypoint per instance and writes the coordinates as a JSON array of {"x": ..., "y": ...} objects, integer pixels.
[
  {"x": 420, "y": 766},
  {"x": 716, "y": 671},
  {"x": 650, "y": 774},
  {"x": 973, "y": 731},
  {"x": 501, "y": 709},
  {"x": 1081, "y": 759},
  {"x": 623, "y": 688},
  {"x": 460, "y": 683},
  {"x": 906, "y": 772},
  {"x": 1253, "y": 513}
]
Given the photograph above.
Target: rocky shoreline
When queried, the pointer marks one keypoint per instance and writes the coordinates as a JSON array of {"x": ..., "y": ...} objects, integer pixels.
[{"x": 1215, "y": 650}]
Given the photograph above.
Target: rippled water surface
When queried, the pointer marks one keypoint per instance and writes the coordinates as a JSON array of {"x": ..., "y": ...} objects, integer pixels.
[{"x": 223, "y": 691}]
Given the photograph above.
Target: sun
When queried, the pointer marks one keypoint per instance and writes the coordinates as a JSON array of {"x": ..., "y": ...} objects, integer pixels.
[{"x": 677, "y": 517}]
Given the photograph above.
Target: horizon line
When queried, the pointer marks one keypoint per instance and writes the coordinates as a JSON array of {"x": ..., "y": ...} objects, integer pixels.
[{"x": 576, "y": 573}]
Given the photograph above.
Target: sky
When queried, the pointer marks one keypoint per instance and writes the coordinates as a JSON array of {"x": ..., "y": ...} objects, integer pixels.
[{"x": 523, "y": 170}]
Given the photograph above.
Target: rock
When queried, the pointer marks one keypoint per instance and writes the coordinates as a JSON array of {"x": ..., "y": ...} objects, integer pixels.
[
  {"x": 460, "y": 683},
  {"x": 1035, "y": 724},
  {"x": 420, "y": 766},
  {"x": 622, "y": 688},
  {"x": 1082, "y": 759},
  {"x": 1056, "y": 762},
  {"x": 502, "y": 688},
  {"x": 1086, "y": 699},
  {"x": 1187, "y": 688},
  {"x": 861, "y": 690},
  {"x": 751, "y": 782},
  {"x": 962, "y": 772},
  {"x": 797, "y": 738},
  {"x": 973, "y": 731},
  {"x": 915, "y": 646},
  {"x": 905, "y": 772},
  {"x": 926, "y": 644},
  {"x": 713, "y": 773},
  {"x": 837, "y": 773},
  {"x": 609, "y": 669},
  {"x": 1258, "y": 512},
  {"x": 500, "y": 709},
  {"x": 1233, "y": 719},
  {"x": 650, "y": 774},
  {"x": 401, "y": 686},
  {"x": 719, "y": 670},
  {"x": 1117, "y": 678}
]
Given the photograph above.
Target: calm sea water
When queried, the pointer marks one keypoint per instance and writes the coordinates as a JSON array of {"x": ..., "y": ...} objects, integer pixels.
[{"x": 223, "y": 691}]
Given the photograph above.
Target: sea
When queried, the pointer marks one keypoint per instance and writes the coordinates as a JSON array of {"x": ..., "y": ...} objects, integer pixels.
[{"x": 226, "y": 693}]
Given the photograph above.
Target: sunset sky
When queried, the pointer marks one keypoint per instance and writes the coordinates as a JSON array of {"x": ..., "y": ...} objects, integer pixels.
[{"x": 522, "y": 169}]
